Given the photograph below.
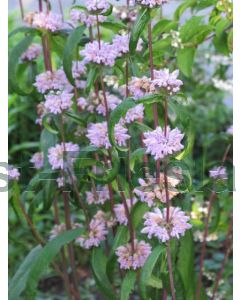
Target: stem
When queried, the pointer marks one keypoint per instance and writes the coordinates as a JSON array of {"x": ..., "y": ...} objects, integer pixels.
[
  {"x": 98, "y": 33},
  {"x": 203, "y": 249},
  {"x": 130, "y": 225},
  {"x": 228, "y": 247},
  {"x": 170, "y": 271},
  {"x": 40, "y": 5},
  {"x": 21, "y": 8},
  {"x": 61, "y": 9},
  {"x": 126, "y": 72},
  {"x": 154, "y": 106},
  {"x": 164, "y": 296}
]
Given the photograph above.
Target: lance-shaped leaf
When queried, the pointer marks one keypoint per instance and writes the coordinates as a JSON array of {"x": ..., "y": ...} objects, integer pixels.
[
  {"x": 138, "y": 27},
  {"x": 99, "y": 263},
  {"x": 113, "y": 25},
  {"x": 185, "y": 59},
  {"x": 14, "y": 59},
  {"x": 24, "y": 29},
  {"x": 147, "y": 270},
  {"x": 73, "y": 41},
  {"x": 91, "y": 78},
  {"x": 115, "y": 116},
  {"x": 135, "y": 156},
  {"x": 128, "y": 285}
]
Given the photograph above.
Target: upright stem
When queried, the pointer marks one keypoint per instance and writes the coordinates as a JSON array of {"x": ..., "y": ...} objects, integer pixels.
[
  {"x": 228, "y": 247},
  {"x": 154, "y": 107},
  {"x": 203, "y": 248},
  {"x": 21, "y": 8},
  {"x": 61, "y": 9},
  {"x": 98, "y": 33},
  {"x": 169, "y": 260}
]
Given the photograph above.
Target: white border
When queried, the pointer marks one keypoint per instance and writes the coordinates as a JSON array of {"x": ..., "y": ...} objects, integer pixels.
[
  {"x": 3, "y": 146},
  {"x": 236, "y": 149}
]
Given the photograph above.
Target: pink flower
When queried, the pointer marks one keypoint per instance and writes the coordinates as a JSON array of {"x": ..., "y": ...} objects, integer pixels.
[
  {"x": 135, "y": 113},
  {"x": 97, "y": 233},
  {"x": 82, "y": 102},
  {"x": 163, "y": 79},
  {"x": 156, "y": 224},
  {"x": 159, "y": 145},
  {"x": 100, "y": 196},
  {"x": 150, "y": 190},
  {"x": 78, "y": 68},
  {"x": 230, "y": 130},
  {"x": 151, "y": 3},
  {"x": 82, "y": 17},
  {"x": 106, "y": 55},
  {"x": 57, "y": 103},
  {"x": 121, "y": 135},
  {"x": 218, "y": 173},
  {"x": 121, "y": 43},
  {"x": 136, "y": 260},
  {"x": 56, "y": 154},
  {"x": 48, "y": 21},
  {"x": 141, "y": 87},
  {"x": 98, "y": 135},
  {"x": 112, "y": 101},
  {"x": 13, "y": 173},
  {"x": 32, "y": 52},
  {"x": 56, "y": 80},
  {"x": 120, "y": 212},
  {"x": 97, "y": 5},
  {"x": 37, "y": 160}
]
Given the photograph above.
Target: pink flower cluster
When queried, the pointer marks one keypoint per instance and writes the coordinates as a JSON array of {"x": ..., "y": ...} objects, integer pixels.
[
  {"x": 96, "y": 234},
  {"x": 152, "y": 3},
  {"x": 97, "y": 5},
  {"x": 121, "y": 43},
  {"x": 99, "y": 196},
  {"x": 105, "y": 54},
  {"x": 56, "y": 155},
  {"x": 57, "y": 103},
  {"x": 47, "y": 21},
  {"x": 82, "y": 17},
  {"x": 218, "y": 173},
  {"x": 55, "y": 80},
  {"x": 156, "y": 224},
  {"x": 129, "y": 260},
  {"x": 150, "y": 191},
  {"x": 37, "y": 160},
  {"x": 78, "y": 69},
  {"x": 230, "y": 130},
  {"x": 33, "y": 51},
  {"x": 135, "y": 113},
  {"x": 112, "y": 102},
  {"x": 13, "y": 173},
  {"x": 163, "y": 81},
  {"x": 159, "y": 145},
  {"x": 98, "y": 135},
  {"x": 120, "y": 211}
]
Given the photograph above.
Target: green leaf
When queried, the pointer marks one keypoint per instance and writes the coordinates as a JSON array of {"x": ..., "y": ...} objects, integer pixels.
[
  {"x": 185, "y": 59},
  {"x": 164, "y": 26},
  {"x": 190, "y": 143},
  {"x": 23, "y": 29},
  {"x": 92, "y": 76},
  {"x": 45, "y": 122},
  {"x": 99, "y": 263},
  {"x": 18, "y": 282},
  {"x": 46, "y": 256},
  {"x": 181, "y": 8},
  {"x": 74, "y": 117},
  {"x": 128, "y": 285},
  {"x": 14, "y": 58},
  {"x": 137, "y": 213},
  {"x": 23, "y": 146},
  {"x": 70, "y": 49},
  {"x": 113, "y": 25},
  {"x": 190, "y": 28},
  {"x": 230, "y": 41},
  {"x": 47, "y": 140},
  {"x": 138, "y": 27},
  {"x": 185, "y": 263},
  {"x": 115, "y": 116},
  {"x": 147, "y": 270},
  {"x": 136, "y": 155}
]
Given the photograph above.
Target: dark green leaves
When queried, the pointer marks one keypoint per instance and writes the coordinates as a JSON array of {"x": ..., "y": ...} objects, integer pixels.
[
  {"x": 164, "y": 26},
  {"x": 138, "y": 27},
  {"x": 99, "y": 263},
  {"x": 128, "y": 285},
  {"x": 92, "y": 76},
  {"x": 113, "y": 25},
  {"x": 115, "y": 116},
  {"x": 185, "y": 59},
  {"x": 147, "y": 270},
  {"x": 73, "y": 41},
  {"x": 14, "y": 59}
]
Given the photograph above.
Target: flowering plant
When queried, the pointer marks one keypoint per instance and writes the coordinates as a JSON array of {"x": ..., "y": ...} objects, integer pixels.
[{"x": 114, "y": 168}]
